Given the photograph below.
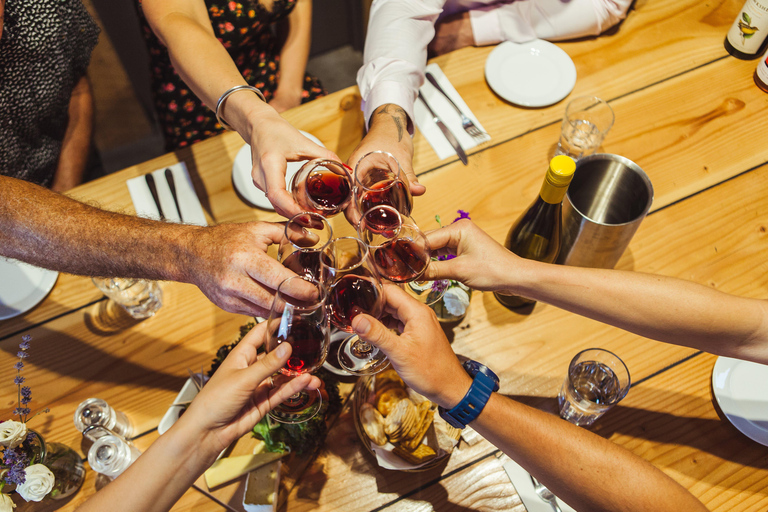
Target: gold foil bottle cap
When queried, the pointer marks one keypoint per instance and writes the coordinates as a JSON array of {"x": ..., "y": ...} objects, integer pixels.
[{"x": 561, "y": 169}]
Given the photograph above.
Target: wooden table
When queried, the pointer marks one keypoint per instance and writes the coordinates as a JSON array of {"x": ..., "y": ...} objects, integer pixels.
[{"x": 686, "y": 112}]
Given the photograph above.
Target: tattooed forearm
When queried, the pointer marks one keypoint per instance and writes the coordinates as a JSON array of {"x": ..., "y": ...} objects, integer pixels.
[{"x": 398, "y": 116}]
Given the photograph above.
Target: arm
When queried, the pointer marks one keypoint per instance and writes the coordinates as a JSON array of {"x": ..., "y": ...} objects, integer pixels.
[
  {"x": 571, "y": 461},
  {"x": 293, "y": 57},
  {"x": 77, "y": 139},
  {"x": 227, "y": 262},
  {"x": 204, "y": 64},
  {"x": 230, "y": 404},
  {"x": 657, "y": 307}
]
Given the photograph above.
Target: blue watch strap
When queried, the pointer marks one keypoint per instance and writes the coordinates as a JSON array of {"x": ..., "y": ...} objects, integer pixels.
[{"x": 473, "y": 402}]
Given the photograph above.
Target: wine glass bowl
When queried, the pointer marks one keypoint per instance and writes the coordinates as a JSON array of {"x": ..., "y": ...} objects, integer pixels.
[
  {"x": 379, "y": 181},
  {"x": 303, "y": 323},
  {"x": 304, "y": 237},
  {"x": 322, "y": 186}
]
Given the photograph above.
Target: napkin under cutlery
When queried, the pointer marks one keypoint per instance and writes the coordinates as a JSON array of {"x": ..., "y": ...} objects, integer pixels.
[
  {"x": 524, "y": 487},
  {"x": 446, "y": 113},
  {"x": 190, "y": 206}
]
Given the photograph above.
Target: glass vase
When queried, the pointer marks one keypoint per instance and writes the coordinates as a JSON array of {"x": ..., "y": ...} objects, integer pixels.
[
  {"x": 456, "y": 294},
  {"x": 65, "y": 464}
]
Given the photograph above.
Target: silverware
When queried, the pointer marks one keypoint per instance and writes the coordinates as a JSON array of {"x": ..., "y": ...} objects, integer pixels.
[
  {"x": 545, "y": 494},
  {"x": 198, "y": 385},
  {"x": 448, "y": 135},
  {"x": 469, "y": 126},
  {"x": 153, "y": 190},
  {"x": 172, "y": 185}
]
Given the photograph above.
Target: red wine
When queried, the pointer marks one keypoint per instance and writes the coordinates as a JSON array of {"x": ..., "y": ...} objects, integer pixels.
[
  {"x": 328, "y": 189},
  {"x": 397, "y": 196},
  {"x": 350, "y": 296},
  {"x": 382, "y": 222},
  {"x": 401, "y": 260},
  {"x": 308, "y": 342},
  {"x": 304, "y": 263}
]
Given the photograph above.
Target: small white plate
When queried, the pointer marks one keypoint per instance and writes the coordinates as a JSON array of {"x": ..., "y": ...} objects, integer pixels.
[
  {"x": 739, "y": 388},
  {"x": 23, "y": 286},
  {"x": 241, "y": 175},
  {"x": 532, "y": 74}
]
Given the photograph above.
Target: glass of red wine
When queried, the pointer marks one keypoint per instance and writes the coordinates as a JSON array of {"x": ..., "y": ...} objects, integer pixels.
[
  {"x": 354, "y": 287},
  {"x": 379, "y": 181},
  {"x": 322, "y": 186},
  {"x": 400, "y": 251},
  {"x": 305, "y": 236},
  {"x": 304, "y": 324}
]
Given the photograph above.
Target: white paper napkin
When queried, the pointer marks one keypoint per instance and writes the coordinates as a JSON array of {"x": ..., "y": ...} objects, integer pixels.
[
  {"x": 524, "y": 487},
  {"x": 446, "y": 113},
  {"x": 190, "y": 206}
]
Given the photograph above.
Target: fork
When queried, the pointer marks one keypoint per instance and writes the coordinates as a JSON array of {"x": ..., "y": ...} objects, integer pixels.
[
  {"x": 545, "y": 494},
  {"x": 466, "y": 122}
]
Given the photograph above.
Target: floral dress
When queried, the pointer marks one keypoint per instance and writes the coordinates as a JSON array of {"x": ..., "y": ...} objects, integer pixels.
[{"x": 245, "y": 29}]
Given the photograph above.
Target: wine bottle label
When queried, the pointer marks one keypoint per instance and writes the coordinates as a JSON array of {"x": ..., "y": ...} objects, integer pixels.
[
  {"x": 762, "y": 69},
  {"x": 750, "y": 27}
]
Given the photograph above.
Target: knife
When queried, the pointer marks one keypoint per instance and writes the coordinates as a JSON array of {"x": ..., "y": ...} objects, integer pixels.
[
  {"x": 448, "y": 135},
  {"x": 153, "y": 190},
  {"x": 172, "y": 185}
]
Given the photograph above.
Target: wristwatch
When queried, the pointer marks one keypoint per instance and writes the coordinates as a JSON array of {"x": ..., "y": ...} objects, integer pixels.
[{"x": 485, "y": 382}]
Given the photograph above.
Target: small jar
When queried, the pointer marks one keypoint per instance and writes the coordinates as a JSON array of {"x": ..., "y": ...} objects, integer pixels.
[
  {"x": 110, "y": 455},
  {"x": 453, "y": 306},
  {"x": 96, "y": 411}
]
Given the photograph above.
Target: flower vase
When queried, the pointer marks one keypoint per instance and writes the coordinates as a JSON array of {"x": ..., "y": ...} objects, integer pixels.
[
  {"x": 453, "y": 306},
  {"x": 65, "y": 464}
]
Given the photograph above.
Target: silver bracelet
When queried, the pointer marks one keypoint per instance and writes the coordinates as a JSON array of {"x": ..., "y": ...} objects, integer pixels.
[{"x": 224, "y": 96}]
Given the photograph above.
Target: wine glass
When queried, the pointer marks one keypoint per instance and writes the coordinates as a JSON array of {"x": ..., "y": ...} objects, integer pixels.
[
  {"x": 304, "y": 324},
  {"x": 353, "y": 288},
  {"x": 379, "y": 181},
  {"x": 400, "y": 251},
  {"x": 322, "y": 186},
  {"x": 305, "y": 236}
]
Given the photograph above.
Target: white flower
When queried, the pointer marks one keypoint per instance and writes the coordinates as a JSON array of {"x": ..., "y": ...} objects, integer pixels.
[
  {"x": 12, "y": 433},
  {"x": 456, "y": 301},
  {"x": 6, "y": 503},
  {"x": 39, "y": 483}
]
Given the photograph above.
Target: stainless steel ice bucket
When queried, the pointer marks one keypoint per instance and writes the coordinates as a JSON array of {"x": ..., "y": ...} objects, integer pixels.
[{"x": 605, "y": 204}]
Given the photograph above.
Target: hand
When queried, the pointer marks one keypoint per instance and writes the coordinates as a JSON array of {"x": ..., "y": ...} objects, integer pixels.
[
  {"x": 284, "y": 100},
  {"x": 239, "y": 393},
  {"x": 451, "y": 33},
  {"x": 274, "y": 142},
  {"x": 230, "y": 265},
  {"x": 421, "y": 355},
  {"x": 481, "y": 262}
]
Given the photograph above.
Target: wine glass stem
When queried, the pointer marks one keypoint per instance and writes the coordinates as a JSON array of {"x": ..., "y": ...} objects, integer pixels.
[{"x": 362, "y": 348}]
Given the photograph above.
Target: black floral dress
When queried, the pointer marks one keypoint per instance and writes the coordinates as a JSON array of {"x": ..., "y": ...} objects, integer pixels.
[
  {"x": 245, "y": 29},
  {"x": 44, "y": 51}
]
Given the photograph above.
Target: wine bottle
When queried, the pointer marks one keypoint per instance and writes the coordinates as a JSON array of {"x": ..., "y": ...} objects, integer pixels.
[
  {"x": 748, "y": 32},
  {"x": 761, "y": 73},
  {"x": 536, "y": 234}
]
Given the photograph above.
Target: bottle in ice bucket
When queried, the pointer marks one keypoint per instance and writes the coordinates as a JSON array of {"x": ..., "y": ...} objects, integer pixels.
[{"x": 536, "y": 234}]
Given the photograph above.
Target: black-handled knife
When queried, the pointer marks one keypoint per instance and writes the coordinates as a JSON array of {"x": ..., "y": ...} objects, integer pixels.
[
  {"x": 153, "y": 190},
  {"x": 172, "y": 185}
]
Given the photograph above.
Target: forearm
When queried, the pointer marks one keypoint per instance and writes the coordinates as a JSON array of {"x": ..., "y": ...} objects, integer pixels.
[
  {"x": 52, "y": 231},
  {"x": 295, "y": 51},
  {"x": 585, "y": 470},
  {"x": 657, "y": 307},
  {"x": 76, "y": 145},
  {"x": 159, "y": 477}
]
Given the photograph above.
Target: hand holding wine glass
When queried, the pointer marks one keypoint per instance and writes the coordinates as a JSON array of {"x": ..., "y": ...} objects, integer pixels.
[
  {"x": 322, "y": 186},
  {"x": 379, "y": 180},
  {"x": 304, "y": 237}
]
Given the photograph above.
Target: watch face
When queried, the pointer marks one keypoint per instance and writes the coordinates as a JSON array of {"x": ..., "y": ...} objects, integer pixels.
[{"x": 472, "y": 367}]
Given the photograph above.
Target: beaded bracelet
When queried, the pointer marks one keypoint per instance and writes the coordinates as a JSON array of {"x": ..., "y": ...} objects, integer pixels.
[{"x": 224, "y": 96}]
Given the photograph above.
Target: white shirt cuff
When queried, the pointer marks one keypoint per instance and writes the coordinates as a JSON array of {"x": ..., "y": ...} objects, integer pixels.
[
  {"x": 389, "y": 92},
  {"x": 486, "y": 27}
]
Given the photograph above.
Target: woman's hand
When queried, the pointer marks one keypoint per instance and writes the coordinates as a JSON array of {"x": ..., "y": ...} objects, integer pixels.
[{"x": 240, "y": 393}]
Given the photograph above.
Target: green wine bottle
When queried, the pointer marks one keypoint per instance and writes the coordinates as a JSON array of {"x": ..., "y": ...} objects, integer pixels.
[{"x": 536, "y": 234}]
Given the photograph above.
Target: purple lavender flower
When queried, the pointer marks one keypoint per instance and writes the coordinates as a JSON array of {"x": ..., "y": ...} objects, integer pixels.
[
  {"x": 446, "y": 257},
  {"x": 22, "y": 355},
  {"x": 26, "y": 395},
  {"x": 17, "y": 461},
  {"x": 18, "y": 380},
  {"x": 24, "y": 345},
  {"x": 462, "y": 215},
  {"x": 19, "y": 365},
  {"x": 439, "y": 286}
]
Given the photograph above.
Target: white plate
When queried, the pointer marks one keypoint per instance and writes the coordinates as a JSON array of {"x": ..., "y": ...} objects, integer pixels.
[
  {"x": 22, "y": 286},
  {"x": 241, "y": 175},
  {"x": 532, "y": 74},
  {"x": 739, "y": 388}
]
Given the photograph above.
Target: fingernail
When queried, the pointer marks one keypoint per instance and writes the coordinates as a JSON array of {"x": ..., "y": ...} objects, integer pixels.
[
  {"x": 282, "y": 350},
  {"x": 361, "y": 325}
]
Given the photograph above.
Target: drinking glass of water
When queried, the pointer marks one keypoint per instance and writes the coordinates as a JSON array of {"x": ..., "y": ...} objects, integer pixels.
[
  {"x": 597, "y": 380},
  {"x": 139, "y": 297},
  {"x": 586, "y": 123}
]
